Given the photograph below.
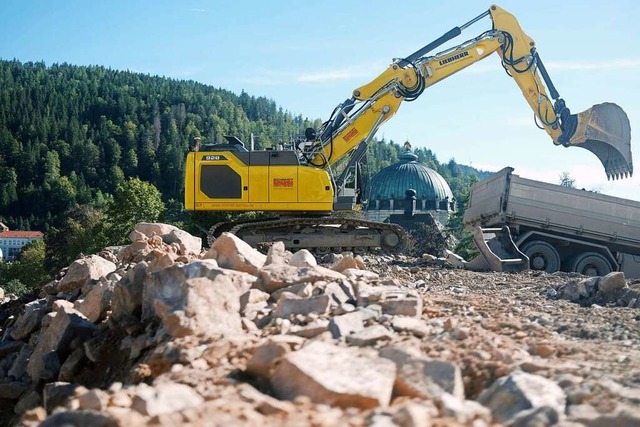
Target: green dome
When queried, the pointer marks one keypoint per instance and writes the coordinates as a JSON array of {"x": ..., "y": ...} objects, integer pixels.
[{"x": 392, "y": 182}]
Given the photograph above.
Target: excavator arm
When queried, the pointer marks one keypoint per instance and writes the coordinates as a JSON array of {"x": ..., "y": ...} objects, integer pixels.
[{"x": 603, "y": 129}]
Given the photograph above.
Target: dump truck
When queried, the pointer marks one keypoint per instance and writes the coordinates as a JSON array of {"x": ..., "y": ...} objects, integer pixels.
[{"x": 553, "y": 227}]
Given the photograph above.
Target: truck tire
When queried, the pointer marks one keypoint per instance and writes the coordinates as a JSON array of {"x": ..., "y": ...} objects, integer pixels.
[
  {"x": 591, "y": 264},
  {"x": 542, "y": 256}
]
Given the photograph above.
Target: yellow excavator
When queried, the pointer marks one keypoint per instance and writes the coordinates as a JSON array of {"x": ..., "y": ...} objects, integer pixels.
[{"x": 302, "y": 186}]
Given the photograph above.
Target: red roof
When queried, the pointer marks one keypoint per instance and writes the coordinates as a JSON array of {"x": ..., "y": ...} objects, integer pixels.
[{"x": 21, "y": 234}]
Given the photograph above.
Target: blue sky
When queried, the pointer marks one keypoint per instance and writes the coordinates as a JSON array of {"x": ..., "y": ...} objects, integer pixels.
[{"x": 309, "y": 56}]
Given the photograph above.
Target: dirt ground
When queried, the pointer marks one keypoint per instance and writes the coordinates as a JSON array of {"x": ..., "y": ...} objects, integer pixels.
[{"x": 514, "y": 319}]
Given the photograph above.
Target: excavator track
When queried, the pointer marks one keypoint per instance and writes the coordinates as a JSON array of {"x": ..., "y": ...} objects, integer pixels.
[
  {"x": 221, "y": 227},
  {"x": 321, "y": 235}
]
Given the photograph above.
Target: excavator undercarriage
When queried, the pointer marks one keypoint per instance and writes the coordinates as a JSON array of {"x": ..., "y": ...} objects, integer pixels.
[{"x": 320, "y": 235}]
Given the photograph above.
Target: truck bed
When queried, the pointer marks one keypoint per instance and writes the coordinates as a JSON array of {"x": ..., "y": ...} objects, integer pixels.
[{"x": 524, "y": 204}]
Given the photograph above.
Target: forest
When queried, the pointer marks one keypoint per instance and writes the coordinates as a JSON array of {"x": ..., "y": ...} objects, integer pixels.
[{"x": 71, "y": 136}]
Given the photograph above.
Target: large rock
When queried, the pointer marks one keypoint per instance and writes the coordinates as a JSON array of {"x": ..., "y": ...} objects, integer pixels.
[
  {"x": 164, "y": 284},
  {"x": 188, "y": 244},
  {"x": 30, "y": 320},
  {"x": 289, "y": 304},
  {"x": 277, "y": 276},
  {"x": 97, "y": 301},
  {"x": 126, "y": 301},
  {"x": 71, "y": 365},
  {"x": 369, "y": 336},
  {"x": 253, "y": 297},
  {"x": 577, "y": 290},
  {"x": 520, "y": 391},
  {"x": 421, "y": 377},
  {"x": 393, "y": 299},
  {"x": 67, "y": 325},
  {"x": 265, "y": 358},
  {"x": 19, "y": 366},
  {"x": 303, "y": 290},
  {"x": 346, "y": 324},
  {"x": 612, "y": 282},
  {"x": 136, "y": 252},
  {"x": 340, "y": 292},
  {"x": 150, "y": 229},
  {"x": 303, "y": 258},
  {"x": 79, "y": 418},
  {"x": 96, "y": 400},
  {"x": 413, "y": 325},
  {"x": 199, "y": 306},
  {"x": 253, "y": 302},
  {"x": 236, "y": 254},
  {"x": 335, "y": 376},
  {"x": 80, "y": 271},
  {"x": 13, "y": 390},
  {"x": 8, "y": 347},
  {"x": 278, "y": 254},
  {"x": 56, "y": 393},
  {"x": 344, "y": 263},
  {"x": 466, "y": 411},
  {"x": 164, "y": 398}
]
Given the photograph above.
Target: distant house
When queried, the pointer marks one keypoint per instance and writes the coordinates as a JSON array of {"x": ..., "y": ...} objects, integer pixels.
[{"x": 12, "y": 242}]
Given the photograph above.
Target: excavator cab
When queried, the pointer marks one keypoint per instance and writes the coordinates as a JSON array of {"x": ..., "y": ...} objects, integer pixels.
[{"x": 604, "y": 130}]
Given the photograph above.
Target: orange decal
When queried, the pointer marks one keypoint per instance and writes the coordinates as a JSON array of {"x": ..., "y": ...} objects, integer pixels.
[
  {"x": 283, "y": 182},
  {"x": 353, "y": 132}
]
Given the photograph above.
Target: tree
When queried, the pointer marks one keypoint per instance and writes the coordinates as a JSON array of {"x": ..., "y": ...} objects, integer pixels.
[
  {"x": 133, "y": 202},
  {"x": 27, "y": 272},
  {"x": 30, "y": 264},
  {"x": 566, "y": 180},
  {"x": 79, "y": 233}
]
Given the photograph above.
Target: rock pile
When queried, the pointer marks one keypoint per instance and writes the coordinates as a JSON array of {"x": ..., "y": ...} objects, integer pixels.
[
  {"x": 161, "y": 332},
  {"x": 609, "y": 289}
]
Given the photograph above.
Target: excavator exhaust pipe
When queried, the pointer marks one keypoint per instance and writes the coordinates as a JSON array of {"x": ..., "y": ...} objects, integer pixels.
[{"x": 604, "y": 130}]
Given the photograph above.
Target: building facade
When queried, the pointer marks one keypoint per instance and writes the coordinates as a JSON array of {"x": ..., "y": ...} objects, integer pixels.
[
  {"x": 429, "y": 193},
  {"x": 12, "y": 242}
]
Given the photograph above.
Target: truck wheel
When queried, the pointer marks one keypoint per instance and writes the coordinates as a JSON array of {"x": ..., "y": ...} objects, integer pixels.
[
  {"x": 542, "y": 256},
  {"x": 591, "y": 264}
]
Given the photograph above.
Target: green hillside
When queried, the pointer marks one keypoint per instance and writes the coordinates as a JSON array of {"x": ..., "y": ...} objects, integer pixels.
[{"x": 69, "y": 135}]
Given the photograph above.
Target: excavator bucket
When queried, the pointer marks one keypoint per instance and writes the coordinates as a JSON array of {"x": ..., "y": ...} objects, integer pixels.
[{"x": 604, "y": 130}]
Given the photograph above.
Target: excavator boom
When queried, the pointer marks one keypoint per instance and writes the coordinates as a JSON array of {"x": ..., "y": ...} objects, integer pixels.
[{"x": 602, "y": 129}]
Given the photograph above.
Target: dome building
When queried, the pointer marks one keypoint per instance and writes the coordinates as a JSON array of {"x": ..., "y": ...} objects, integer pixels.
[{"x": 390, "y": 191}]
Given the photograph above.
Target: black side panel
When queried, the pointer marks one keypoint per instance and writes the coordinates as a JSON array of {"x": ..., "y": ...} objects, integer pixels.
[
  {"x": 220, "y": 182},
  {"x": 260, "y": 158},
  {"x": 284, "y": 158},
  {"x": 243, "y": 157}
]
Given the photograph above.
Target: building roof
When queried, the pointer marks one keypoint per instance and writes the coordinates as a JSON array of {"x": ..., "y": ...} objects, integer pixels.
[
  {"x": 392, "y": 182},
  {"x": 21, "y": 235}
]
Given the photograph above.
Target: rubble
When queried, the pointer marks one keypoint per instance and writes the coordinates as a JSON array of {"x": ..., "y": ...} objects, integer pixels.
[
  {"x": 335, "y": 375},
  {"x": 80, "y": 271},
  {"x": 508, "y": 397},
  {"x": 162, "y": 332}
]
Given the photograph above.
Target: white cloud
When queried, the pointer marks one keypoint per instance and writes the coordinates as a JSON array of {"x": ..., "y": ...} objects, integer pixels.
[
  {"x": 360, "y": 72},
  {"x": 196, "y": 10},
  {"x": 181, "y": 73},
  {"x": 272, "y": 77}
]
